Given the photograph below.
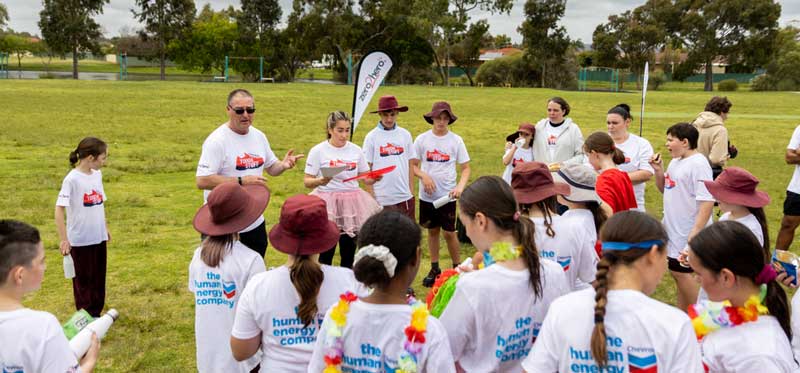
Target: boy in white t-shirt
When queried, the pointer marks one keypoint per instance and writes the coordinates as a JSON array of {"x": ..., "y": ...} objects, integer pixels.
[
  {"x": 390, "y": 145},
  {"x": 439, "y": 151},
  {"x": 31, "y": 341},
  {"x": 687, "y": 202}
]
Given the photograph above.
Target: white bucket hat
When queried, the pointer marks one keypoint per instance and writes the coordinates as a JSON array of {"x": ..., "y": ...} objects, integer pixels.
[{"x": 581, "y": 180}]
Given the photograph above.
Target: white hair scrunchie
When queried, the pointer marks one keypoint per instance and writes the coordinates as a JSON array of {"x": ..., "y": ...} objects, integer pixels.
[{"x": 380, "y": 253}]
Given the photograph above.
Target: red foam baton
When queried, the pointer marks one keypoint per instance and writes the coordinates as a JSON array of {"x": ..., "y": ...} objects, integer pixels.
[{"x": 374, "y": 174}]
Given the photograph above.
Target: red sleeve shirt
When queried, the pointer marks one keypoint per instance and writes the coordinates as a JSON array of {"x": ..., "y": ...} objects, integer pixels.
[{"x": 615, "y": 188}]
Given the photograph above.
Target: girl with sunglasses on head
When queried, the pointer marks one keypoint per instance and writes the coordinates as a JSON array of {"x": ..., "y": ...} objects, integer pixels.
[
  {"x": 519, "y": 148},
  {"x": 494, "y": 315},
  {"x": 616, "y": 326},
  {"x": 745, "y": 324}
]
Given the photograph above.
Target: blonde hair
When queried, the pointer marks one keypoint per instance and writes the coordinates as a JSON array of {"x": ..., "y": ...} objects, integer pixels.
[{"x": 333, "y": 118}]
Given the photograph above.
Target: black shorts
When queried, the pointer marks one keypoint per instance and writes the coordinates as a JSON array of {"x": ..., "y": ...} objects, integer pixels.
[
  {"x": 675, "y": 266},
  {"x": 791, "y": 205},
  {"x": 431, "y": 217}
]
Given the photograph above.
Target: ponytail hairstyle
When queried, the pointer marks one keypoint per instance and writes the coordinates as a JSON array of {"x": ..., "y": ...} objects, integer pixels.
[
  {"x": 631, "y": 227},
  {"x": 622, "y": 110},
  {"x": 758, "y": 212},
  {"x": 548, "y": 206},
  {"x": 602, "y": 143},
  {"x": 598, "y": 214},
  {"x": 216, "y": 247},
  {"x": 333, "y": 118},
  {"x": 729, "y": 244},
  {"x": 88, "y": 146},
  {"x": 306, "y": 276},
  {"x": 494, "y": 198},
  {"x": 394, "y": 231}
]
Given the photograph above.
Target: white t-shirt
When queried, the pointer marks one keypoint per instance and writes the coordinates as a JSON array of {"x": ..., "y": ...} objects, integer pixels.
[
  {"x": 552, "y": 136},
  {"x": 642, "y": 334},
  {"x": 583, "y": 218},
  {"x": 521, "y": 155},
  {"x": 384, "y": 148},
  {"x": 758, "y": 346},
  {"x": 373, "y": 338},
  {"x": 439, "y": 156},
  {"x": 795, "y": 322},
  {"x": 33, "y": 341},
  {"x": 494, "y": 318},
  {"x": 269, "y": 306},
  {"x": 794, "y": 144},
  {"x": 571, "y": 247},
  {"x": 750, "y": 222},
  {"x": 326, "y": 155},
  {"x": 84, "y": 198},
  {"x": 227, "y": 153},
  {"x": 216, "y": 293},
  {"x": 683, "y": 192},
  {"x": 637, "y": 157}
]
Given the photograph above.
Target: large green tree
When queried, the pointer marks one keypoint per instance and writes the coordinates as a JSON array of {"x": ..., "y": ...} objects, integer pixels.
[
  {"x": 164, "y": 21},
  {"x": 213, "y": 36},
  {"x": 3, "y": 15},
  {"x": 741, "y": 31},
  {"x": 68, "y": 26},
  {"x": 546, "y": 42},
  {"x": 467, "y": 51},
  {"x": 258, "y": 37}
]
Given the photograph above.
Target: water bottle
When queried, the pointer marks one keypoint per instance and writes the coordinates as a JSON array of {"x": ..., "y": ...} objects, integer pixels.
[
  {"x": 81, "y": 343},
  {"x": 443, "y": 201},
  {"x": 520, "y": 143},
  {"x": 69, "y": 267}
]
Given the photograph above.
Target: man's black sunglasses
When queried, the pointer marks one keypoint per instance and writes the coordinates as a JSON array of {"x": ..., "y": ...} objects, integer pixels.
[{"x": 240, "y": 111}]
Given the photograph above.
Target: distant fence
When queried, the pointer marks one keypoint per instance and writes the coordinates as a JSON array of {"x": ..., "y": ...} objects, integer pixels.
[{"x": 606, "y": 75}]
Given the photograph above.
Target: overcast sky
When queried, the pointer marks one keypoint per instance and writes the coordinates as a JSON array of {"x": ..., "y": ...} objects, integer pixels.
[{"x": 580, "y": 18}]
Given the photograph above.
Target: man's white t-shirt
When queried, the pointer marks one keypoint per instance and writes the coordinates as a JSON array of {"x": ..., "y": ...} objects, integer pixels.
[
  {"x": 552, "y": 136},
  {"x": 684, "y": 190},
  {"x": 757, "y": 346},
  {"x": 493, "y": 317},
  {"x": 750, "y": 222},
  {"x": 794, "y": 144},
  {"x": 326, "y": 155},
  {"x": 84, "y": 198},
  {"x": 638, "y": 152},
  {"x": 642, "y": 334},
  {"x": 217, "y": 291},
  {"x": 373, "y": 339},
  {"x": 571, "y": 247},
  {"x": 269, "y": 307},
  {"x": 520, "y": 156},
  {"x": 384, "y": 148},
  {"x": 227, "y": 153},
  {"x": 33, "y": 341},
  {"x": 439, "y": 156}
]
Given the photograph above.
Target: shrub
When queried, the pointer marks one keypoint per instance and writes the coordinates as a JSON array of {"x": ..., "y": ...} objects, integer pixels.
[
  {"x": 655, "y": 81},
  {"x": 728, "y": 85}
]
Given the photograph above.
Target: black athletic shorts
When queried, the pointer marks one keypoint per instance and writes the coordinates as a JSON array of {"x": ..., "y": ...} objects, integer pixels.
[
  {"x": 791, "y": 205},
  {"x": 675, "y": 266},
  {"x": 431, "y": 217}
]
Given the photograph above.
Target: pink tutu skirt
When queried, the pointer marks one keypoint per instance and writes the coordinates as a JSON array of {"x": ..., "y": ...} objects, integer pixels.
[{"x": 349, "y": 210}]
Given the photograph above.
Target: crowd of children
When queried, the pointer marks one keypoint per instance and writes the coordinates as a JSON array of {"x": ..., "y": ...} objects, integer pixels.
[{"x": 561, "y": 281}]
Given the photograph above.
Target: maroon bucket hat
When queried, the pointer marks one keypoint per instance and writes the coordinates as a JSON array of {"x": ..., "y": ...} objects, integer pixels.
[
  {"x": 532, "y": 182},
  {"x": 438, "y": 108},
  {"x": 230, "y": 208},
  {"x": 304, "y": 228},
  {"x": 524, "y": 127},
  {"x": 737, "y": 186},
  {"x": 387, "y": 103}
]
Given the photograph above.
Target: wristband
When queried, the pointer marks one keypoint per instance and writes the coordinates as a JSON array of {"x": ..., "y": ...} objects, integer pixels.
[{"x": 240, "y": 180}]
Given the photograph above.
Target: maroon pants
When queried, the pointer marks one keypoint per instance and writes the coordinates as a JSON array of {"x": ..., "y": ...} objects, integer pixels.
[
  {"x": 406, "y": 207},
  {"x": 89, "y": 284}
]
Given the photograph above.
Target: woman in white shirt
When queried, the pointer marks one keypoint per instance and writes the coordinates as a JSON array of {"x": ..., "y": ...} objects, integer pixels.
[
  {"x": 745, "y": 326},
  {"x": 637, "y": 150},
  {"x": 616, "y": 326},
  {"x": 558, "y": 139},
  {"x": 349, "y": 206},
  {"x": 280, "y": 311}
]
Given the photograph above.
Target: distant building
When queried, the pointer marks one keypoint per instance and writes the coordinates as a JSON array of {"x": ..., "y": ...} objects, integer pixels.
[{"x": 493, "y": 54}]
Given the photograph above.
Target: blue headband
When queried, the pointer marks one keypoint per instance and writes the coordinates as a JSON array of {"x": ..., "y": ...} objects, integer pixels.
[{"x": 622, "y": 246}]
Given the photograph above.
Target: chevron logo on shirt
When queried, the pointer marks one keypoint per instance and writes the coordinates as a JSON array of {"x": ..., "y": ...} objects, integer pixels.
[
  {"x": 437, "y": 156},
  {"x": 565, "y": 261},
  {"x": 229, "y": 289},
  {"x": 390, "y": 149},
  {"x": 92, "y": 199},
  {"x": 13, "y": 369},
  {"x": 337, "y": 163},
  {"x": 668, "y": 182},
  {"x": 248, "y": 161},
  {"x": 642, "y": 360}
]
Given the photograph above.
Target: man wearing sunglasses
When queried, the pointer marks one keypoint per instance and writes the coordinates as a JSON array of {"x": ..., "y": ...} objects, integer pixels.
[{"x": 238, "y": 152}]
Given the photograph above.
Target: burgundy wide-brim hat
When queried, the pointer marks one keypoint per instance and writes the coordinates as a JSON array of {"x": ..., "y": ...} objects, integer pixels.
[
  {"x": 304, "y": 228},
  {"x": 737, "y": 186},
  {"x": 438, "y": 108},
  {"x": 532, "y": 182},
  {"x": 387, "y": 103},
  {"x": 230, "y": 208},
  {"x": 524, "y": 127}
]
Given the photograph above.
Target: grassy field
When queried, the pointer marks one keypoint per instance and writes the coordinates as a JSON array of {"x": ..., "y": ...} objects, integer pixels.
[{"x": 155, "y": 131}]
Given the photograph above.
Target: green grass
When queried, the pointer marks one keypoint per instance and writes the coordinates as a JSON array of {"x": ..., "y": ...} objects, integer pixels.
[{"x": 155, "y": 131}]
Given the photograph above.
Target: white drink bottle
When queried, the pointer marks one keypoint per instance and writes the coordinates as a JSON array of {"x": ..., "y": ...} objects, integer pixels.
[
  {"x": 81, "y": 342},
  {"x": 69, "y": 267},
  {"x": 442, "y": 201}
]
